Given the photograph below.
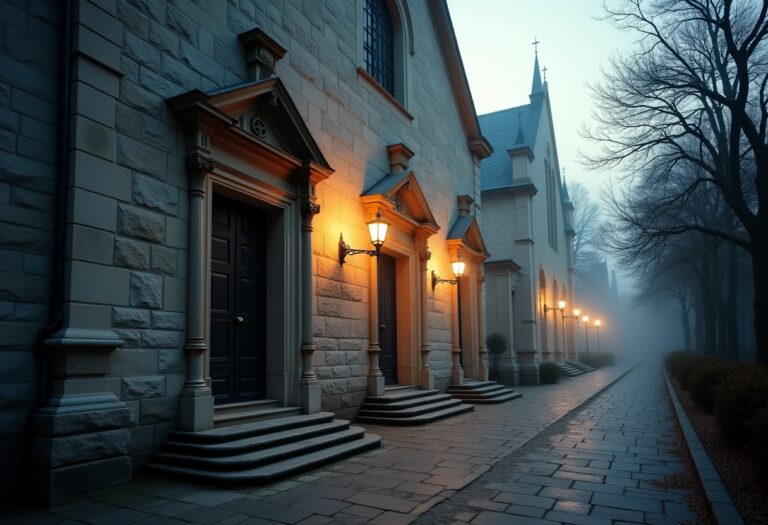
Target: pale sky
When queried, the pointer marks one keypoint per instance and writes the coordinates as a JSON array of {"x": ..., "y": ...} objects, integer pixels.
[{"x": 495, "y": 39}]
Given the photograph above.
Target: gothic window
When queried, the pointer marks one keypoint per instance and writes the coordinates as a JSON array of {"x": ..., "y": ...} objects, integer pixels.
[
  {"x": 378, "y": 44},
  {"x": 552, "y": 195}
]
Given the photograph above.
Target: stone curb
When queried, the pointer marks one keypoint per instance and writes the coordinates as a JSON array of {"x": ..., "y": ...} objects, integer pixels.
[
  {"x": 429, "y": 504},
  {"x": 718, "y": 499}
]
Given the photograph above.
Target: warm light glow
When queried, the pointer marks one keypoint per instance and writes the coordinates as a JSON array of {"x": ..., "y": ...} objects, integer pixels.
[
  {"x": 458, "y": 267},
  {"x": 585, "y": 318},
  {"x": 576, "y": 312},
  {"x": 598, "y": 322},
  {"x": 561, "y": 304},
  {"x": 378, "y": 230}
]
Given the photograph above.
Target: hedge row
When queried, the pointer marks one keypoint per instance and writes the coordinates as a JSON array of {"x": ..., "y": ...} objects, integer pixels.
[
  {"x": 597, "y": 360},
  {"x": 736, "y": 393}
]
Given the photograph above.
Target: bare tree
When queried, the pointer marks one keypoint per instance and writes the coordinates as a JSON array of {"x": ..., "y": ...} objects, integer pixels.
[
  {"x": 694, "y": 93},
  {"x": 586, "y": 225}
]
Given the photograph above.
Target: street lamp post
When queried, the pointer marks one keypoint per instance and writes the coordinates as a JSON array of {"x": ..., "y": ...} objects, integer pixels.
[
  {"x": 598, "y": 322},
  {"x": 576, "y": 312},
  {"x": 585, "y": 320}
]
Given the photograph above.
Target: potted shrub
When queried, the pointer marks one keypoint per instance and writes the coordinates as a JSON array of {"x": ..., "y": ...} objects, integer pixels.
[{"x": 497, "y": 345}]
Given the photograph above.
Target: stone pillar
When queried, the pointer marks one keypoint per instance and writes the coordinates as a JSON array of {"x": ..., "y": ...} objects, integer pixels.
[
  {"x": 482, "y": 369},
  {"x": 308, "y": 385},
  {"x": 426, "y": 380},
  {"x": 457, "y": 372},
  {"x": 375, "y": 377},
  {"x": 196, "y": 401}
]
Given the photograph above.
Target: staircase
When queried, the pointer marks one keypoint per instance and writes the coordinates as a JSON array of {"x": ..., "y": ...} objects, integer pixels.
[
  {"x": 569, "y": 369},
  {"x": 581, "y": 366},
  {"x": 482, "y": 392},
  {"x": 250, "y": 411},
  {"x": 407, "y": 405},
  {"x": 268, "y": 443}
]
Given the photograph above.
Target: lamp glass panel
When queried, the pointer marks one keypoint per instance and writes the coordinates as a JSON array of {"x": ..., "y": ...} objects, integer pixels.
[
  {"x": 585, "y": 318},
  {"x": 576, "y": 312},
  {"x": 378, "y": 231},
  {"x": 561, "y": 304},
  {"x": 458, "y": 268},
  {"x": 598, "y": 322}
]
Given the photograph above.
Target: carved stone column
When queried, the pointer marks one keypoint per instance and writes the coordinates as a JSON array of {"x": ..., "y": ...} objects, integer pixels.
[
  {"x": 196, "y": 401},
  {"x": 375, "y": 377},
  {"x": 457, "y": 372},
  {"x": 482, "y": 369},
  {"x": 426, "y": 381},
  {"x": 309, "y": 386}
]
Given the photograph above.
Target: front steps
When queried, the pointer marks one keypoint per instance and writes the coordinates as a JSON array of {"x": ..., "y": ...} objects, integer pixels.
[
  {"x": 250, "y": 411},
  {"x": 581, "y": 366},
  {"x": 569, "y": 369},
  {"x": 410, "y": 406},
  {"x": 482, "y": 392},
  {"x": 261, "y": 451}
]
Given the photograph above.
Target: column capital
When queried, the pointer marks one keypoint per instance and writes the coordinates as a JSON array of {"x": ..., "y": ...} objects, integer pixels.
[{"x": 309, "y": 209}]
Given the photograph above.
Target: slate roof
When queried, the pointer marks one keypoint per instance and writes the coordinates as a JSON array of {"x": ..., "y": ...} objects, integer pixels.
[{"x": 509, "y": 128}]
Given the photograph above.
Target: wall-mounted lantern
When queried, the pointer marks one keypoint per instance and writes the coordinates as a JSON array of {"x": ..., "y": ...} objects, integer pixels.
[
  {"x": 377, "y": 229},
  {"x": 458, "y": 266}
]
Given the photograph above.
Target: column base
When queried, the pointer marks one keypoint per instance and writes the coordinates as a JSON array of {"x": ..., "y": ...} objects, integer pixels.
[
  {"x": 529, "y": 374},
  {"x": 376, "y": 386},
  {"x": 80, "y": 445},
  {"x": 427, "y": 381},
  {"x": 310, "y": 397},
  {"x": 457, "y": 375},
  {"x": 558, "y": 357},
  {"x": 508, "y": 375},
  {"x": 195, "y": 410}
]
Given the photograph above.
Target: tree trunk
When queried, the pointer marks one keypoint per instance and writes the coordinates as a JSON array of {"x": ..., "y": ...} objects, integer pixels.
[
  {"x": 710, "y": 316},
  {"x": 686, "y": 321},
  {"x": 732, "y": 303},
  {"x": 759, "y": 265}
]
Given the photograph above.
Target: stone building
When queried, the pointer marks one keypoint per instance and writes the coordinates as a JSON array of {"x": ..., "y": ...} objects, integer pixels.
[
  {"x": 527, "y": 218},
  {"x": 175, "y": 178}
]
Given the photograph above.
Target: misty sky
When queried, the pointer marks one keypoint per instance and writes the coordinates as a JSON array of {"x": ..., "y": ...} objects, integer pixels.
[{"x": 495, "y": 39}]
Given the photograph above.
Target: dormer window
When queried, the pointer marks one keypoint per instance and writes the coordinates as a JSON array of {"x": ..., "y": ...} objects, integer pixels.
[{"x": 378, "y": 44}]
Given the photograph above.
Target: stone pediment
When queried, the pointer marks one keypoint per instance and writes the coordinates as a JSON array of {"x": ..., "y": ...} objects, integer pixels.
[
  {"x": 465, "y": 234},
  {"x": 256, "y": 118},
  {"x": 400, "y": 196}
]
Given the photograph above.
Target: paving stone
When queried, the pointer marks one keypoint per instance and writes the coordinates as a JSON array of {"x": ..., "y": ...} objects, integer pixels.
[
  {"x": 627, "y": 502},
  {"x": 524, "y": 510},
  {"x": 519, "y": 488},
  {"x": 617, "y": 514},
  {"x": 523, "y": 499},
  {"x": 324, "y": 506},
  {"x": 568, "y": 494},
  {"x": 576, "y": 519},
  {"x": 575, "y": 507},
  {"x": 495, "y": 518},
  {"x": 382, "y": 502}
]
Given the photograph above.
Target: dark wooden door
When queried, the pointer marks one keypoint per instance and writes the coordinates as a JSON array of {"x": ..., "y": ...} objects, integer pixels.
[
  {"x": 388, "y": 319},
  {"x": 238, "y": 302}
]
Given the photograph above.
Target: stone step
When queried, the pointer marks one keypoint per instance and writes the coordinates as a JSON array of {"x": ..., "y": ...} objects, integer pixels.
[
  {"x": 421, "y": 419},
  {"x": 472, "y": 385},
  {"x": 367, "y": 411},
  {"x": 506, "y": 396},
  {"x": 220, "y": 435},
  {"x": 392, "y": 389},
  {"x": 569, "y": 370},
  {"x": 272, "y": 471},
  {"x": 581, "y": 366},
  {"x": 457, "y": 390},
  {"x": 246, "y": 406},
  {"x": 255, "y": 458},
  {"x": 400, "y": 396},
  {"x": 256, "y": 442},
  {"x": 408, "y": 403},
  {"x": 248, "y": 416}
]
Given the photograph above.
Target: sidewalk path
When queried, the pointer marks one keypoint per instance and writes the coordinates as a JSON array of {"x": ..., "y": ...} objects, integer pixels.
[
  {"x": 600, "y": 466},
  {"x": 416, "y": 468}
]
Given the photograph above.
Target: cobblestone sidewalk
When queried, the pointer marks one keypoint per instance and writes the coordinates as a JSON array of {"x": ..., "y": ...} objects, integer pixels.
[
  {"x": 415, "y": 469},
  {"x": 601, "y": 466}
]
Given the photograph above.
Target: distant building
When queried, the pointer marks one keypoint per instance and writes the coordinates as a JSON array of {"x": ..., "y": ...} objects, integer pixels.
[
  {"x": 527, "y": 228},
  {"x": 188, "y": 225}
]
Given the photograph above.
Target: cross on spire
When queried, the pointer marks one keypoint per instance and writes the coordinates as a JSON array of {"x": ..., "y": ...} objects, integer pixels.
[
  {"x": 544, "y": 70},
  {"x": 535, "y": 44}
]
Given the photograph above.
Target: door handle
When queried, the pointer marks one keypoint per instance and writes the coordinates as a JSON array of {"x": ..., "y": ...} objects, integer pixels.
[
  {"x": 382, "y": 327},
  {"x": 239, "y": 319}
]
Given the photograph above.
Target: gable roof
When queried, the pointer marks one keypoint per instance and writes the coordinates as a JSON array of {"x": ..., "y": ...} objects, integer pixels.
[
  {"x": 399, "y": 195},
  {"x": 446, "y": 38},
  {"x": 466, "y": 233},
  {"x": 512, "y": 128}
]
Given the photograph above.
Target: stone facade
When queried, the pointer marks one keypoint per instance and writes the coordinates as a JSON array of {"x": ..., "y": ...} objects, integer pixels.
[
  {"x": 527, "y": 226},
  {"x": 121, "y": 368}
]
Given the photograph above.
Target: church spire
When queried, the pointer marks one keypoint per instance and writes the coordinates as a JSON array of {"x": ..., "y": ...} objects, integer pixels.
[{"x": 536, "y": 85}]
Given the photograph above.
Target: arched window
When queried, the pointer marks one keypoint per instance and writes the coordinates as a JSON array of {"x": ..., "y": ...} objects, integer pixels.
[{"x": 378, "y": 44}]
